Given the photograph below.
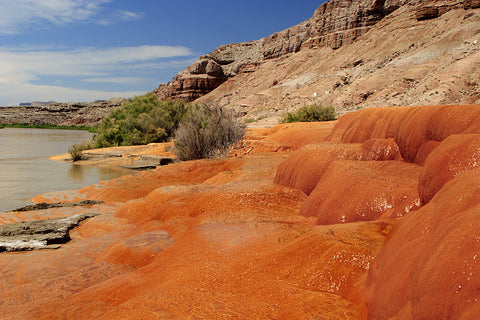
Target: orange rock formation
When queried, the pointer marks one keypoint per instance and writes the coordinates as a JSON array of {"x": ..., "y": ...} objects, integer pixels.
[{"x": 264, "y": 235}]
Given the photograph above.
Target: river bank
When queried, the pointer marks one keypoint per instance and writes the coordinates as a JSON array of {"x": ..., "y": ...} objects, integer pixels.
[
  {"x": 127, "y": 157},
  {"x": 322, "y": 220}
]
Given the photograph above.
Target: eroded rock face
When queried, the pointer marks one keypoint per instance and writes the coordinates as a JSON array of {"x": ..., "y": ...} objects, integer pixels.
[
  {"x": 335, "y": 24},
  {"x": 195, "y": 81},
  {"x": 210, "y": 71},
  {"x": 339, "y": 22}
]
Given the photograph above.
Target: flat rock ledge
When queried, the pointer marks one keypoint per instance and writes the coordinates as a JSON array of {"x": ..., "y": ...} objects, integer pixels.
[
  {"x": 148, "y": 162},
  {"x": 45, "y": 206},
  {"x": 42, "y": 234},
  {"x": 131, "y": 161}
]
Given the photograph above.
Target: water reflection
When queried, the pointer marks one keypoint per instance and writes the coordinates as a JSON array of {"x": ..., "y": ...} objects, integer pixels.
[
  {"x": 77, "y": 172},
  {"x": 108, "y": 173},
  {"x": 81, "y": 173}
]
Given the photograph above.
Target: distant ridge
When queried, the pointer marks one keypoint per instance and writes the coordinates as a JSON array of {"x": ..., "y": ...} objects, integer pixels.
[
  {"x": 36, "y": 103},
  {"x": 63, "y": 114}
]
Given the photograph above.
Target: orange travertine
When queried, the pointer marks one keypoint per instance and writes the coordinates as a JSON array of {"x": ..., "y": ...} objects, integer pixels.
[
  {"x": 453, "y": 155},
  {"x": 353, "y": 191},
  {"x": 305, "y": 167},
  {"x": 299, "y": 228},
  {"x": 429, "y": 268},
  {"x": 410, "y": 127}
]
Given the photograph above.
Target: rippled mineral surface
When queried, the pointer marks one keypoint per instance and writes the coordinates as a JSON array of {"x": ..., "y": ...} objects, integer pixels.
[{"x": 374, "y": 216}]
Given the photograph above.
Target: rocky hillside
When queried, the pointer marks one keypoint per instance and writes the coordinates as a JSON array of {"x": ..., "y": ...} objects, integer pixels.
[
  {"x": 61, "y": 113},
  {"x": 350, "y": 54}
]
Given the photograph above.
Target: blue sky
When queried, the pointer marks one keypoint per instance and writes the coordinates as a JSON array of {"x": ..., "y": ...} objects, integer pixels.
[{"x": 83, "y": 50}]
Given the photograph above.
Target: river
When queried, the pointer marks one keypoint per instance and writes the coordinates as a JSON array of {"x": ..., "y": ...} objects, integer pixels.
[{"x": 26, "y": 171}]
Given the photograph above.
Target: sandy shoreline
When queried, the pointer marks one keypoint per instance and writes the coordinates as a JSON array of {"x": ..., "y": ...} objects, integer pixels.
[{"x": 129, "y": 157}]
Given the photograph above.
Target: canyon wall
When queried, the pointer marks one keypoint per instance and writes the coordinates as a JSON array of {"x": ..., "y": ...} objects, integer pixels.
[
  {"x": 333, "y": 24},
  {"x": 349, "y": 54}
]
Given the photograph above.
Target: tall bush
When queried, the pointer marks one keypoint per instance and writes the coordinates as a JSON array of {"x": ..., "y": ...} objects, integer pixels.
[
  {"x": 142, "y": 120},
  {"x": 207, "y": 132},
  {"x": 310, "y": 113}
]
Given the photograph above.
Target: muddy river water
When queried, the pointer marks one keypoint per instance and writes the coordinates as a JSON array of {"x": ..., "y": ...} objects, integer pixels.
[{"x": 26, "y": 170}]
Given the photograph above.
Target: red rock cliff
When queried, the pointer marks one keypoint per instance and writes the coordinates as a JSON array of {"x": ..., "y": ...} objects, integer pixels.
[{"x": 334, "y": 24}]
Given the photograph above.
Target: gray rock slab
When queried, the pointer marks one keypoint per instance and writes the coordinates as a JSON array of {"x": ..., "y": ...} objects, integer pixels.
[{"x": 42, "y": 234}]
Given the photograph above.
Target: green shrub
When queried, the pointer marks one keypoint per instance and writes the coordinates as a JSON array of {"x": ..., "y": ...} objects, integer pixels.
[
  {"x": 142, "y": 120},
  {"x": 310, "y": 113},
  {"x": 207, "y": 132},
  {"x": 76, "y": 150}
]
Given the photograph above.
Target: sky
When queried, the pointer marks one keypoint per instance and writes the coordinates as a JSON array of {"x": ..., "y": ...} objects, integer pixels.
[{"x": 84, "y": 50}]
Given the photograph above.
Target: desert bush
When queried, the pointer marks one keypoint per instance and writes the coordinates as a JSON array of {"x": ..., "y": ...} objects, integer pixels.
[
  {"x": 310, "y": 113},
  {"x": 76, "y": 150},
  {"x": 207, "y": 132},
  {"x": 142, "y": 120}
]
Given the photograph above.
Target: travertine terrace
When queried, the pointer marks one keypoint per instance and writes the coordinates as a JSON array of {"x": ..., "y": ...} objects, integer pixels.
[{"x": 373, "y": 216}]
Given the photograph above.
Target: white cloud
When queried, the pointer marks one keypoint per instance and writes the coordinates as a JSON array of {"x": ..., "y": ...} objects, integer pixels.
[
  {"x": 24, "y": 65},
  {"x": 14, "y": 93},
  {"x": 117, "y": 80},
  {"x": 22, "y": 68},
  {"x": 18, "y": 15},
  {"x": 121, "y": 15},
  {"x": 128, "y": 15}
]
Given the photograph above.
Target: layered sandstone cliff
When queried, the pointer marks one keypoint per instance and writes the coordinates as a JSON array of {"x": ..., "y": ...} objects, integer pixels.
[
  {"x": 349, "y": 54},
  {"x": 210, "y": 71},
  {"x": 333, "y": 24}
]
